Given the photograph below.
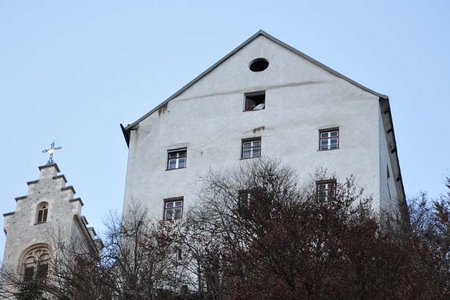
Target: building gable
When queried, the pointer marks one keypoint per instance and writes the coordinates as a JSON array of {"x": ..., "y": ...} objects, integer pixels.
[
  {"x": 287, "y": 66},
  {"x": 301, "y": 94}
]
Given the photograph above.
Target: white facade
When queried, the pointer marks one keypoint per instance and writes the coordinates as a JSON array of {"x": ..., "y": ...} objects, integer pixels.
[{"x": 302, "y": 97}]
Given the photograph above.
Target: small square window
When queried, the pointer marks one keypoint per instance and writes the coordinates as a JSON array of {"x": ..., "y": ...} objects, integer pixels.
[
  {"x": 255, "y": 101},
  {"x": 326, "y": 190},
  {"x": 246, "y": 197},
  {"x": 176, "y": 159},
  {"x": 251, "y": 148},
  {"x": 329, "y": 139},
  {"x": 173, "y": 209}
]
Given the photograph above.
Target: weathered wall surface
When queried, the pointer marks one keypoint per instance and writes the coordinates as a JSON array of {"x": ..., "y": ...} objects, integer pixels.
[
  {"x": 208, "y": 119},
  {"x": 21, "y": 226}
]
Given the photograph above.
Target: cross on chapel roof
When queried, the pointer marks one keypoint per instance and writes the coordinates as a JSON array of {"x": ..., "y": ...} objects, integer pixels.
[{"x": 51, "y": 151}]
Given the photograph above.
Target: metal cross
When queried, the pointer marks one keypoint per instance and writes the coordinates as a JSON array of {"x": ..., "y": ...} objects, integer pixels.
[{"x": 50, "y": 151}]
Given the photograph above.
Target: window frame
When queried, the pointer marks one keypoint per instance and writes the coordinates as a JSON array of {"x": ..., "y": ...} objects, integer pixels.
[
  {"x": 176, "y": 159},
  {"x": 245, "y": 198},
  {"x": 251, "y": 100},
  {"x": 327, "y": 190},
  {"x": 252, "y": 147},
  {"x": 165, "y": 208},
  {"x": 42, "y": 213},
  {"x": 328, "y": 138},
  {"x": 35, "y": 263}
]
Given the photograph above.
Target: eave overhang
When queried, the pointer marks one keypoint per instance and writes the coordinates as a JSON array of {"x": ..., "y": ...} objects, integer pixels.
[{"x": 393, "y": 155}]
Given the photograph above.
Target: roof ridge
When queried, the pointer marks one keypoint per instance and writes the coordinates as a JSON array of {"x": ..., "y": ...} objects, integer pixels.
[{"x": 260, "y": 32}]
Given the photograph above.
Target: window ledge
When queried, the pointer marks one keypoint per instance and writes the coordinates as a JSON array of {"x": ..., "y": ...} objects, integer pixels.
[
  {"x": 263, "y": 109},
  {"x": 324, "y": 150},
  {"x": 250, "y": 157},
  {"x": 176, "y": 169}
]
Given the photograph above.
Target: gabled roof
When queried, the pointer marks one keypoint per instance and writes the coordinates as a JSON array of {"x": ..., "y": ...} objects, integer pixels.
[
  {"x": 383, "y": 99},
  {"x": 126, "y": 129}
]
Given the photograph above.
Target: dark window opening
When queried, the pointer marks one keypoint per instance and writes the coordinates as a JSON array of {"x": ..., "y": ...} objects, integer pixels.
[
  {"x": 259, "y": 64},
  {"x": 42, "y": 213},
  {"x": 255, "y": 101},
  {"x": 29, "y": 274},
  {"x": 246, "y": 197},
  {"x": 42, "y": 270}
]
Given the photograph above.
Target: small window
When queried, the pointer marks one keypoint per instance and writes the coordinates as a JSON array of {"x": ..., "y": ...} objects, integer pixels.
[
  {"x": 28, "y": 273},
  {"x": 42, "y": 213},
  {"x": 255, "y": 101},
  {"x": 258, "y": 64},
  {"x": 173, "y": 209},
  {"x": 251, "y": 148},
  {"x": 329, "y": 139},
  {"x": 176, "y": 159},
  {"x": 246, "y": 197},
  {"x": 42, "y": 270},
  {"x": 326, "y": 190}
]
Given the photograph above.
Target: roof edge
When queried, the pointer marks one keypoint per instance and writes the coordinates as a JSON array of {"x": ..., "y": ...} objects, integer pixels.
[
  {"x": 404, "y": 213},
  {"x": 126, "y": 129},
  {"x": 126, "y": 134}
]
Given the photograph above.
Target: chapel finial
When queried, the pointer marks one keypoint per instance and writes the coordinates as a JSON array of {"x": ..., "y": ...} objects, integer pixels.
[{"x": 50, "y": 151}]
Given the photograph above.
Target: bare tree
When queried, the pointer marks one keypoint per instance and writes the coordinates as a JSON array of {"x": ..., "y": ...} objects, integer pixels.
[
  {"x": 143, "y": 257},
  {"x": 257, "y": 234}
]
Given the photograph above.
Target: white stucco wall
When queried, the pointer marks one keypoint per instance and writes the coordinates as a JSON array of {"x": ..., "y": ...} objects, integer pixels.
[{"x": 209, "y": 120}]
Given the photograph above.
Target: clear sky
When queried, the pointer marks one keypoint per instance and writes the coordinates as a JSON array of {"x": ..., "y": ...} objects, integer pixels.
[{"x": 74, "y": 70}]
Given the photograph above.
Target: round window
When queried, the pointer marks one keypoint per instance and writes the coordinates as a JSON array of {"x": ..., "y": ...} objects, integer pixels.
[{"x": 259, "y": 64}]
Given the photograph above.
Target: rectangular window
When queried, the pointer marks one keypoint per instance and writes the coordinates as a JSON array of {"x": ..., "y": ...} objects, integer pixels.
[
  {"x": 255, "y": 101},
  {"x": 179, "y": 253},
  {"x": 245, "y": 198},
  {"x": 251, "y": 148},
  {"x": 176, "y": 159},
  {"x": 329, "y": 139},
  {"x": 326, "y": 190},
  {"x": 42, "y": 271},
  {"x": 173, "y": 209},
  {"x": 42, "y": 214},
  {"x": 28, "y": 274}
]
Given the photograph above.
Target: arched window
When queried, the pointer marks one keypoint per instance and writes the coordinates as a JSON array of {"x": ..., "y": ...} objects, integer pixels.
[
  {"x": 42, "y": 212},
  {"x": 35, "y": 263}
]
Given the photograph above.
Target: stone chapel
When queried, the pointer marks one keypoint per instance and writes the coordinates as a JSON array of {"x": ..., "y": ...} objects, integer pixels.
[{"x": 47, "y": 217}]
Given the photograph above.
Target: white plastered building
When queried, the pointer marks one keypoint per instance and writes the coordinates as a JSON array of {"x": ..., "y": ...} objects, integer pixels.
[{"x": 265, "y": 99}]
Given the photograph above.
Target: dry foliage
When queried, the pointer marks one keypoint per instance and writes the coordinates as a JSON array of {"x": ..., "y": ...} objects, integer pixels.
[{"x": 255, "y": 233}]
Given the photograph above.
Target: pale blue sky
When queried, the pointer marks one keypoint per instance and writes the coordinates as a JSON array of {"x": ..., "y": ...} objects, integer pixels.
[{"x": 73, "y": 71}]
